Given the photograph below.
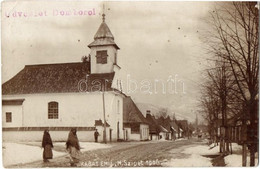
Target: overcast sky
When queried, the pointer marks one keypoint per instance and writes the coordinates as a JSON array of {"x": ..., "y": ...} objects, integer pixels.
[{"x": 156, "y": 40}]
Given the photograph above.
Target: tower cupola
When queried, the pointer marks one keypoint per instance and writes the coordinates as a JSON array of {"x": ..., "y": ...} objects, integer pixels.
[{"x": 103, "y": 50}]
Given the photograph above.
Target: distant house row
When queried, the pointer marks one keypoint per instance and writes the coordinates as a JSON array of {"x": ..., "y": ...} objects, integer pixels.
[
  {"x": 232, "y": 130},
  {"x": 137, "y": 127}
]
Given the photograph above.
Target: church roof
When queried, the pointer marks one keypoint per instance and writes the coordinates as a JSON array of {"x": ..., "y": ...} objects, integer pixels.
[
  {"x": 56, "y": 78},
  {"x": 103, "y": 42},
  {"x": 103, "y": 37}
]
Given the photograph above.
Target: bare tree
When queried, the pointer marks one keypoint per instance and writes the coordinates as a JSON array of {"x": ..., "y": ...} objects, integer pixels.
[
  {"x": 235, "y": 39},
  {"x": 163, "y": 112},
  {"x": 216, "y": 99},
  {"x": 209, "y": 105}
]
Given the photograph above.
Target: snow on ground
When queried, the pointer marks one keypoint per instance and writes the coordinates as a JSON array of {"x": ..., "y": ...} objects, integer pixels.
[
  {"x": 196, "y": 159},
  {"x": 19, "y": 153},
  {"x": 236, "y": 149},
  {"x": 86, "y": 146},
  {"x": 193, "y": 157},
  {"x": 163, "y": 140},
  {"x": 235, "y": 159},
  {"x": 14, "y": 153},
  {"x": 193, "y": 161},
  {"x": 181, "y": 139},
  {"x": 202, "y": 150}
]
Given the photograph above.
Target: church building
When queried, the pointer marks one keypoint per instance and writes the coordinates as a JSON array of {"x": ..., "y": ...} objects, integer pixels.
[{"x": 65, "y": 95}]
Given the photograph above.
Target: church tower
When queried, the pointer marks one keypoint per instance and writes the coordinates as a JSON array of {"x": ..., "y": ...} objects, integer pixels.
[{"x": 103, "y": 55}]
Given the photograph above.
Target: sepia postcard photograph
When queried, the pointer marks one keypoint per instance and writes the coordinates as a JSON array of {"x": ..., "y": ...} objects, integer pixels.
[{"x": 129, "y": 84}]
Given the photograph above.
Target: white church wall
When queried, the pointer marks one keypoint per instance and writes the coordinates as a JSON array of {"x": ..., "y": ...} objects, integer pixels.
[
  {"x": 75, "y": 109},
  {"x": 26, "y": 136},
  {"x": 116, "y": 106},
  {"x": 117, "y": 81},
  {"x": 101, "y": 134}
]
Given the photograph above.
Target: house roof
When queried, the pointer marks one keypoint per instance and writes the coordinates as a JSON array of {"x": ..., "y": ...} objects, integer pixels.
[
  {"x": 13, "y": 102},
  {"x": 162, "y": 129},
  {"x": 100, "y": 123},
  {"x": 57, "y": 78},
  {"x": 103, "y": 37},
  {"x": 131, "y": 114},
  {"x": 183, "y": 124},
  {"x": 168, "y": 124},
  {"x": 161, "y": 122},
  {"x": 174, "y": 125},
  {"x": 153, "y": 127}
]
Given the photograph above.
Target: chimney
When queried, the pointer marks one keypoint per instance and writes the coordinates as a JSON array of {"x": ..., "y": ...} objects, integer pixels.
[{"x": 148, "y": 112}]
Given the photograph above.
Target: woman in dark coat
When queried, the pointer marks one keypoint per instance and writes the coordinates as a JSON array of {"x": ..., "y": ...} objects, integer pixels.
[
  {"x": 72, "y": 146},
  {"x": 47, "y": 146}
]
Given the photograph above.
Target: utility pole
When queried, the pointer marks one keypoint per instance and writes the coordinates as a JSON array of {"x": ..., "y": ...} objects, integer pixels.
[
  {"x": 104, "y": 113},
  {"x": 103, "y": 95}
]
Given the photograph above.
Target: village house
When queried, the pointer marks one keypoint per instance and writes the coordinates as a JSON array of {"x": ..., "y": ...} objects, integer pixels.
[
  {"x": 135, "y": 125},
  {"x": 171, "y": 126},
  {"x": 154, "y": 129},
  {"x": 176, "y": 130},
  {"x": 232, "y": 131},
  {"x": 65, "y": 95},
  {"x": 165, "y": 128},
  {"x": 184, "y": 128}
]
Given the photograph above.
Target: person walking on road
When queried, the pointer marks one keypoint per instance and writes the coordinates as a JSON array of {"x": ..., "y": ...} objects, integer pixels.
[
  {"x": 73, "y": 148},
  {"x": 47, "y": 146}
]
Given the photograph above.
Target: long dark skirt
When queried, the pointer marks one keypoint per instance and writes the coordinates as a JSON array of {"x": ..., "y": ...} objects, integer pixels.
[
  {"x": 74, "y": 155},
  {"x": 47, "y": 152}
]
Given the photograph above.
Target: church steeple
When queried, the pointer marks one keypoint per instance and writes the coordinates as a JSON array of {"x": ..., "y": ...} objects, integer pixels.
[
  {"x": 103, "y": 17},
  {"x": 103, "y": 36},
  {"x": 103, "y": 50},
  {"x": 104, "y": 32}
]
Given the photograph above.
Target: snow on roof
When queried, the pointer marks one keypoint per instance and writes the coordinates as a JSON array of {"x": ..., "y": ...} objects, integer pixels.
[{"x": 162, "y": 129}]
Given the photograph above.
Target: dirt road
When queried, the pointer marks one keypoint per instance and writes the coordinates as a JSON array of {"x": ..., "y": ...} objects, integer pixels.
[{"x": 124, "y": 154}]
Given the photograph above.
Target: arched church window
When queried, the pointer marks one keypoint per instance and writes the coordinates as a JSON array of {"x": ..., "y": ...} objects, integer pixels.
[
  {"x": 102, "y": 56},
  {"x": 53, "y": 110}
]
